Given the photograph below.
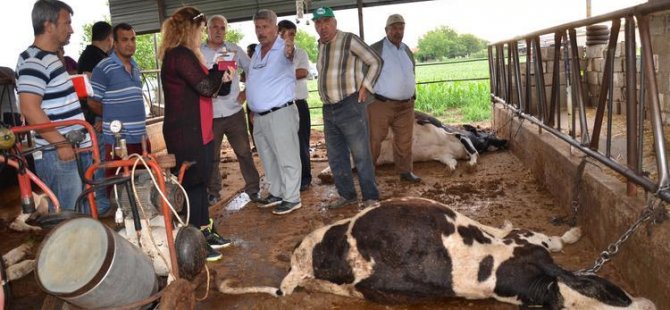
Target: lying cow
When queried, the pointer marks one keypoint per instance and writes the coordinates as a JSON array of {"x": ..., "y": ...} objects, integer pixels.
[
  {"x": 415, "y": 249},
  {"x": 473, "y": 139},
  {"x": 431, "y": 140}
]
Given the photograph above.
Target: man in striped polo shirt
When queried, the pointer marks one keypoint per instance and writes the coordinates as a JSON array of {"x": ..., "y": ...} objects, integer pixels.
[
  {"x": 117, "y": 87},
  {"x": 47, "y": 94},
  {"x": 343, "y": 88}
]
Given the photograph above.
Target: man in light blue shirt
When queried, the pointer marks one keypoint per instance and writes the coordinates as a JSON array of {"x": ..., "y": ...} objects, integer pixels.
[
  {"x": 270, "y": 95},
  {"x": 395, "y": 93},
  {"x": 229, "y": 117}
]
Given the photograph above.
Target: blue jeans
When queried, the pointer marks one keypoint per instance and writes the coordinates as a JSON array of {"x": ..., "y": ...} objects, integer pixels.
[
  {"x": 101, "y": 199},
  {"x": 62, "y": 177},
  {"x": 346, "y": 129}
]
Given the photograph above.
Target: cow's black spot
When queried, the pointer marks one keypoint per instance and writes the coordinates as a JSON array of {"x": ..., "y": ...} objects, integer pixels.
[
  {"x": 329, "y": 257},
  {"x": 530, "y": 275},
  {"x": 544, "y": 244},
  {"x": 405, "y": 241},
  {"x": 472, "y": 233},
  {"x": 507, "y": 241},
  {"x": 485, "y": 268},
  {"x": 518, "y": 236}
]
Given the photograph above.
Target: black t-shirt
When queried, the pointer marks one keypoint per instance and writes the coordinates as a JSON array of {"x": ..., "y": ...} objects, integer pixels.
[{"x": 89, "y": 58}]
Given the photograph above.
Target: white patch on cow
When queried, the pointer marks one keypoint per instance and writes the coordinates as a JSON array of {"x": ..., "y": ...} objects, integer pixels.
[
  {"x": 429, "y": 143},
  {"x": 42, "y": 207},
  {"x": 553, "y": 243},
  {"x": 572, "y": 299},
  {"x": 361, "y": 267}
]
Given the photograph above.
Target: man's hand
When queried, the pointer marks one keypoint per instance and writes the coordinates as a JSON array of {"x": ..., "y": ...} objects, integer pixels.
[
  {"x": 65, "y": 152},
  {"x": 362, "y": 94},
  {"x": 289, "y": 48},
  {"x": 242, "y": 97}
]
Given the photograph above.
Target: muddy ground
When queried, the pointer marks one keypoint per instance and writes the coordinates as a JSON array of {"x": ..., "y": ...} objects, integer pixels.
[{"x": 499, "y": 188}]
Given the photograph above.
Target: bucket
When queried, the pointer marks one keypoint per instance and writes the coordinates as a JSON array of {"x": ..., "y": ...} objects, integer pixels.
[{"x": 88, "y": 265}]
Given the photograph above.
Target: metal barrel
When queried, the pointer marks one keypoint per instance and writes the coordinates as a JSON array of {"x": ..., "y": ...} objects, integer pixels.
[{"x": 85, "y": 263}]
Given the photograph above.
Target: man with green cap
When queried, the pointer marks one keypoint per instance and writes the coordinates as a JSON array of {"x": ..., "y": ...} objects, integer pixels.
[{"x": 343, "y": 88}]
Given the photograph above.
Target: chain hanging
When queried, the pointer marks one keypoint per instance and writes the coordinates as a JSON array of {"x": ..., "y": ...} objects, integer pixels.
[{"x": 652, "y": 211}]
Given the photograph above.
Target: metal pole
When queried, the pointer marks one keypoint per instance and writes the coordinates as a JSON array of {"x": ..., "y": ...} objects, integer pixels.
[
  {"x": 654, "y": 103},
  {"x": 360, "y": 20},
  {"x": 577, "y": 86},
  {"x": 607, "y": 77},
  {"x": 631, "y": 111}
]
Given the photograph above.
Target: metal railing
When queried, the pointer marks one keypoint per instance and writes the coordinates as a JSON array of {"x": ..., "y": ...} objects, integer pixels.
[{"x": 508, "y": 89}]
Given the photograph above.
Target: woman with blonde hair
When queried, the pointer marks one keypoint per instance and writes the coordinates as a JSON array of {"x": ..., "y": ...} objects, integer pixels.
[{"x": 188, "y": 87}]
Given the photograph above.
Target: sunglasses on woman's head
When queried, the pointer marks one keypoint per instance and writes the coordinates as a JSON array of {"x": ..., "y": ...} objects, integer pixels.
[{"x": 200, "y": 16}]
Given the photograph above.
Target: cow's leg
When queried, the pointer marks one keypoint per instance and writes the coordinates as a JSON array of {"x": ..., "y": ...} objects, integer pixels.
[
  {"x": 19, "y": 270},
  {"x": 316, "y": 285},
  {"x": 16, "y": 254},
  {"x": 19, "y": 224},
  {"x": 551, "y": 243},
  {"x": 447, "y": 160}
]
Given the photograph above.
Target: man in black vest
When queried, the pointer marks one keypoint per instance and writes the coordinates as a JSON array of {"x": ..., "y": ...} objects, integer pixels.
[{"x": 395, "y": 92}]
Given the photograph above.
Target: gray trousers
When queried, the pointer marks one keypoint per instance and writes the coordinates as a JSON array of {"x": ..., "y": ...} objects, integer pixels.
[
  {"x": 234, "y": 128},
  {"x": 276, "y": 136}
]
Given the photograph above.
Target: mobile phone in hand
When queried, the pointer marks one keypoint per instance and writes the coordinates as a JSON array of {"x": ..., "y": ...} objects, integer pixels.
[{"x": 226, "y": 61}]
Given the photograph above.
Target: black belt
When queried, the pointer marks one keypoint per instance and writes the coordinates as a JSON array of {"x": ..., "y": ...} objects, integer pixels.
[
  {"x": 384, "y": 99},
  {"x": 276, "y": 108}
]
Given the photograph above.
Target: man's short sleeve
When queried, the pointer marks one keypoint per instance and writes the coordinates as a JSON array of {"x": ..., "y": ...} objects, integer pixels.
[
  {"x": 32, "y": 77},
  {"x": 300, "y": 59},
  {"x": 99, "y": 81}
]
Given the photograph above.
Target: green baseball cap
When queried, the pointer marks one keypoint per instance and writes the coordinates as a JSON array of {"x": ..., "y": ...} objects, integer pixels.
[{"x": 321, "y": 12}]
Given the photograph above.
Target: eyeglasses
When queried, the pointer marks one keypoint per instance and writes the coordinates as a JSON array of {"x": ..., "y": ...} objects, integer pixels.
[
  {"x": 200, "y": 16},
  {"x": 262, "y": 63}
]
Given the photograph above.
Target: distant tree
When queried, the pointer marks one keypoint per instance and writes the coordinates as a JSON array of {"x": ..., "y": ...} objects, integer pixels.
[
  {"x": 234, "y": 35},
  {"x": 444, "y": 42},
  {"x": 145, "y": 54},
  {"x": 472, "y": 43},
  {"x": 307, "y": 42}
]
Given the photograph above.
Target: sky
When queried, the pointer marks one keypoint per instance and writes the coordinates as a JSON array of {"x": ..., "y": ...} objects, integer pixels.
[{"x": 491, "y": 20}]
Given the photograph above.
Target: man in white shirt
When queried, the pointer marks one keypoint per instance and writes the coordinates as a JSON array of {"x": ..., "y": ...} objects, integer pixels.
[
  {"x": 287, "y": 31},
  {"x": 229, "y": 117},
  {"x": 270, "y": 95},
  {"x": 395, "y": 93}
]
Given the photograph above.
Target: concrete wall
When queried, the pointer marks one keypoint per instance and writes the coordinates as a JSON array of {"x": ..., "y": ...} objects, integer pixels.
[
  {"x": 605, "y": 213},
  {"x": 660, "y": 38}
]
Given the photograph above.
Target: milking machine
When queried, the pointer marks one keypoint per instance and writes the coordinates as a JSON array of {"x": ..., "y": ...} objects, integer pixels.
[{"x": 84, "y": 263}]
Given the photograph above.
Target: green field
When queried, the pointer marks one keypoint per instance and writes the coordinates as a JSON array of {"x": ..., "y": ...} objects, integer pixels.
[{"x": 453, "y": 102}]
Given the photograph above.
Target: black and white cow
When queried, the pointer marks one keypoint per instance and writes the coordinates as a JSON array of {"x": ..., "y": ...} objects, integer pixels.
[{"x": 414, "y": 249}]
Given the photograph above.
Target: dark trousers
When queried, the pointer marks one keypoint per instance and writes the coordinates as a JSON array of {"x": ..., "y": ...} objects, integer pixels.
[
  {"x": 197, "y": 192},
  {"x": 303, "y": 137},
  {"x": 346, "y": 131}
]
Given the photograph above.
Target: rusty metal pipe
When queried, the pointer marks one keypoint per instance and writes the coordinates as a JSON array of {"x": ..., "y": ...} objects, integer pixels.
[
  {"x": 529, "y": 88},
  {"x": 539, "y": 81},
  {"x": 631, "y": 111},
  {"x": 555, "y": 107},
  {"x": 577, "y": 86},
  {"x": 517, "y": 75},
  {"x": 607, "y": 77}
]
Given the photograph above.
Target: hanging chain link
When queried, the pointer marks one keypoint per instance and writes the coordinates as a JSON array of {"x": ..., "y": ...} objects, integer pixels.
[
  {"x": 571, "y": 220},
  {"x": 651, "y": 211}
]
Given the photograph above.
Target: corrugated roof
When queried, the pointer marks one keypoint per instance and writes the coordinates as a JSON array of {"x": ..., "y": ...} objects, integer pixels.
[{"x": 144, "y": 14}]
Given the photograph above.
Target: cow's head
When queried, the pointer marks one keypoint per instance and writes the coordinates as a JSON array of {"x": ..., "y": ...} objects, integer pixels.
[{"x": 580, "y": 291}]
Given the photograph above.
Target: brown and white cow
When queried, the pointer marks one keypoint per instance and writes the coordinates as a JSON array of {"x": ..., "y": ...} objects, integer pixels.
[{"x": 414, "y": 249}]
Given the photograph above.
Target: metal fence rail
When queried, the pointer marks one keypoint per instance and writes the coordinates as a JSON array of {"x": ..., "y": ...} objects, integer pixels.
[{"x": 508, "y": 89}]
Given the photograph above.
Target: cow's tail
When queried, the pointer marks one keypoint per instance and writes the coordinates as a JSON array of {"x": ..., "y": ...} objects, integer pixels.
[{"x": 225, "y": 288}]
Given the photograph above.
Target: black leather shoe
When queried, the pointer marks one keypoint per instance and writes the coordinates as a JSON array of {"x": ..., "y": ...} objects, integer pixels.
[{"x": 410, "y": 177}]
